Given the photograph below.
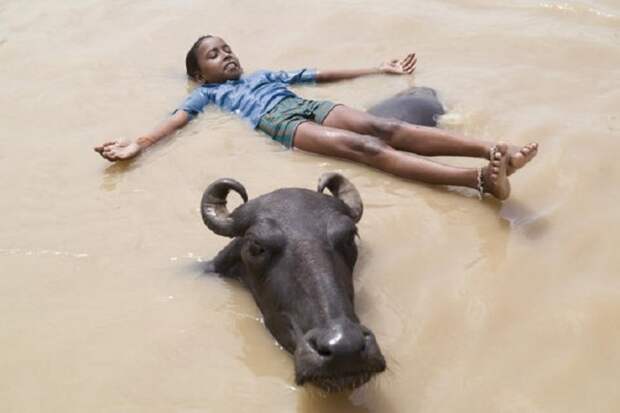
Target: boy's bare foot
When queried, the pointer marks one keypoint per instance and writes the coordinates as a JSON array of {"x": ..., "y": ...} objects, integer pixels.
[
  {"x": 518, "y": 157},
  {"x": 495, "y": 175}
]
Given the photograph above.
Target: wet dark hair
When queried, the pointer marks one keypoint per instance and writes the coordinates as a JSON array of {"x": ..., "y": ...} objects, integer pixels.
[{"x": 191, "y": 60}]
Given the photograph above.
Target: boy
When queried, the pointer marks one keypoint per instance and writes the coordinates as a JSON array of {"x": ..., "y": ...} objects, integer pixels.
[{"x": 326, "y": 128}]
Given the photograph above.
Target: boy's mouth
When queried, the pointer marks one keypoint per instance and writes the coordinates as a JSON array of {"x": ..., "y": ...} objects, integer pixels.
[{"x": 230, "y": 65}]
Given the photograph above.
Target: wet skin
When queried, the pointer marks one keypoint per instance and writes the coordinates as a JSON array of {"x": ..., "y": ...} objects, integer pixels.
[
  {"x": 295, "y": 250},
  {"x": 217, "y": 61},
  {"x": 356, "y": 135}
]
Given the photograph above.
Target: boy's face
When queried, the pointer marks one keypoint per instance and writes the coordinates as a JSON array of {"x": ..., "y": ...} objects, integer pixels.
[{"x": 217, "y": 61}]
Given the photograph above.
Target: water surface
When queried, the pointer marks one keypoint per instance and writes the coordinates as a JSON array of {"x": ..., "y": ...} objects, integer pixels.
[{"x": 478, "y": 306}]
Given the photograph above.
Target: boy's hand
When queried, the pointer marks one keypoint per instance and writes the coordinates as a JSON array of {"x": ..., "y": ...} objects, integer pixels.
[
  {"x": 118, "y": 150},
  {"x": 404, "y": 66}
]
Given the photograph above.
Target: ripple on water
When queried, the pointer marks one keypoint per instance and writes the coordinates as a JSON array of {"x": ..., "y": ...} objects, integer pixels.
[
  {"x": 533, "y": 223},
  {"x": 577, "y": 9},
  {"x": 41, "y": 252}
]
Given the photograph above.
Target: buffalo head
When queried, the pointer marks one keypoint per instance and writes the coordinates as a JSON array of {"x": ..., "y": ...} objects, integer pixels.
[{"x": 295, "y": 250}]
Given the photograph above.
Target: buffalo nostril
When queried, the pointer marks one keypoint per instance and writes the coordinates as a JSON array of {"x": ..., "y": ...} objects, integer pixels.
[
  {"x": 321, "y": 348},
  {"x": 339, "y": 341},
  {"x": 324, "y": 352},
  {"x": 367, "y": 339}
]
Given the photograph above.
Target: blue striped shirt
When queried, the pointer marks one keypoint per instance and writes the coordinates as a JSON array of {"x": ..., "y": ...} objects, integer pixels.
[{"x": 249, "y": 97}]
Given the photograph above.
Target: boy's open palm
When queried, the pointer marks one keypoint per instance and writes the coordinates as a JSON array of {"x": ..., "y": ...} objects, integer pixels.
[
  {"x": 404, "y": 66},
  {"x": 118, "y": 150}
]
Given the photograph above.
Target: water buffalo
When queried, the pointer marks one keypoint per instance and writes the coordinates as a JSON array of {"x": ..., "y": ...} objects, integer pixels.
[
  {"x": 418, "y": 105},
  {"x": 295, "y": 250}
]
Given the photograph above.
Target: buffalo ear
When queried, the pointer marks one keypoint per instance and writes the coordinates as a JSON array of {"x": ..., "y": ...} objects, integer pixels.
[{"x": 227, "y": 262}]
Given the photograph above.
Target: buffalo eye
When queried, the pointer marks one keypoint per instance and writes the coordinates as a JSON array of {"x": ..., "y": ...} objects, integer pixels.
[
  {"x": 345, "y": 242},
  {"x": 348, "y": 239},
  {"x": 255, "y": 249},
  {"x": 256, "y": 256}
]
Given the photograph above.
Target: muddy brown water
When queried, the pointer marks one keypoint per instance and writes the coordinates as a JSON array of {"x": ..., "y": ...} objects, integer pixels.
[{"x": 478, "y": 306}]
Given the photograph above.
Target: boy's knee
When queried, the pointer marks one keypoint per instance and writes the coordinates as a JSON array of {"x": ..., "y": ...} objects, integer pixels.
[
  {"x": 384, "y": 128},
  {"x": 368, "y": 146}
]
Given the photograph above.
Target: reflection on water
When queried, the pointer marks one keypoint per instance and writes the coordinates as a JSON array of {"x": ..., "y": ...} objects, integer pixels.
[
  {"x": 533, "y": 223},
  {"x": 478, "y": 306},
  {"x": 113, "y": 174},
  {"x": 312, "y": 400}
]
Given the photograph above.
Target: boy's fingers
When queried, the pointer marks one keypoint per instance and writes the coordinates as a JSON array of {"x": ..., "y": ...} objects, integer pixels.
[
  {"x": 411, "y": 65},
  {"x": 409, "y": 69},
  {"x": 108, "y": 150},
  {"x": 104, "y": 145},
  {"x": 106, "y": 157},
  {"x": 409, "y": 58},
  {"x": 109, "y": 154}
]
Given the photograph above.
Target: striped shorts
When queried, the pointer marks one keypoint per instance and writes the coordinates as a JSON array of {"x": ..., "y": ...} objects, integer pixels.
[{"x": 282, "y": 120}]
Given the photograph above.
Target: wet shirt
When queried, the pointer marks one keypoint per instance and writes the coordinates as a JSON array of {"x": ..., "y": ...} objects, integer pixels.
[{"x": 250, "y": 96}]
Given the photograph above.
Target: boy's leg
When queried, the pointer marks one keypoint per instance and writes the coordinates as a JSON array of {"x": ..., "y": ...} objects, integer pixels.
[
  {"x": 421, "y": 139},
  {"x": 375, "y": 152}
]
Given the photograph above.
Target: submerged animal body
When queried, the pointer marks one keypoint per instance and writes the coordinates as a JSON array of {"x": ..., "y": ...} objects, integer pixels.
[
  {"x": 295, "y": 250},
  {"x": 417, "y": 105}
]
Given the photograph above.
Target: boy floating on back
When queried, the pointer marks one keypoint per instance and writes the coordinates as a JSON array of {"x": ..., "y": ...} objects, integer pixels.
[{"x": 322, "y": 127}]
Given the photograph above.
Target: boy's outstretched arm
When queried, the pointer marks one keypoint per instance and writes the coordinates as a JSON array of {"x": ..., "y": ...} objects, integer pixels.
[
  {"x": 122, "y": 149},
  {"x": 404, "y": 66}
]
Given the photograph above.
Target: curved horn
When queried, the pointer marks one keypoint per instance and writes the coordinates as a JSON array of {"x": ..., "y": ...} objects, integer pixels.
[
  {"x": 344, "y": 190},
  {"x": 213, "y": 206}
]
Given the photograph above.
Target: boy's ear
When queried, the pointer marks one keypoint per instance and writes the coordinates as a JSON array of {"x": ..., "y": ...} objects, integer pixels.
[
  {"x": 197, "y": 77},
  {"x": 227, "y": 262}
]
